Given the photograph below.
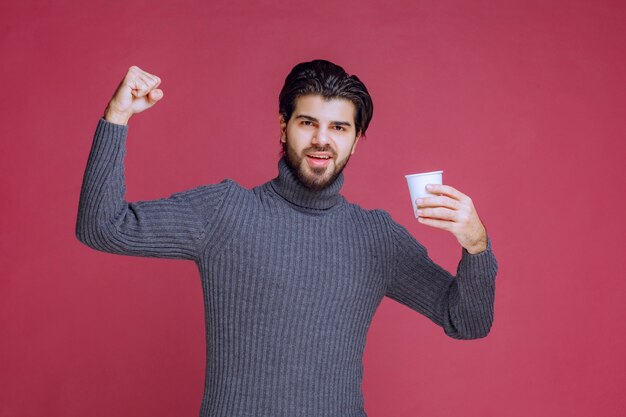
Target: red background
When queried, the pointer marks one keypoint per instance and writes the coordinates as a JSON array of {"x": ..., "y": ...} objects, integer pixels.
[{"x": 521, "y": 103}]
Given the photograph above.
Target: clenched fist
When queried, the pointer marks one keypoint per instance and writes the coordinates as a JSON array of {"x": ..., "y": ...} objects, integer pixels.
[{"x": 137, "y": 92}]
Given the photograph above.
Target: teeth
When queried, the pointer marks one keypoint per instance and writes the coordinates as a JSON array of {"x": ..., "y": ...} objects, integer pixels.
[{"x": 319, "y": 157}]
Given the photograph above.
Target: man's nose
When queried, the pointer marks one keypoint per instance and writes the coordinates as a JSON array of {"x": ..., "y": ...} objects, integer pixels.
[{"x": 320, "y": 138}]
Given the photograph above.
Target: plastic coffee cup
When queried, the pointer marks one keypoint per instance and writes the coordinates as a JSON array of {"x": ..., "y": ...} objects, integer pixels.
[{"x": 417, "y": 185}]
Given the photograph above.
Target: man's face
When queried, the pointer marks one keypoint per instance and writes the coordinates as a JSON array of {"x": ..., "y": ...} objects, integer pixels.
[{"x": 319, "y": 138}]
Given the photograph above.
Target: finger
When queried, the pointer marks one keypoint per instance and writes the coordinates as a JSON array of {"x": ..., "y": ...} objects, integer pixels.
[
  {"x": 439, "y": 224},
  {"x": 146, "y": 74},
  {"x": 156, "y": 80},
  {"x": 150, "y": 79},
  {"x": 144, "y": 86},
  {"x": 133, "y": 75},
  {"x": 441, "y": 201},
  {"x": 140, "y": 90},
  {"x": 138, "y": 86},
  {"x": 140, "y": 82},
  {"x": 446, "y": 190},
  {"x": 149, "y": 82},
  {"x": 438, "y": 213}
]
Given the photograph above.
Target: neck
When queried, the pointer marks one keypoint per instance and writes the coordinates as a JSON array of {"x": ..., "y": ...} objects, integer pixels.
[{"x": 289, "y": 187}]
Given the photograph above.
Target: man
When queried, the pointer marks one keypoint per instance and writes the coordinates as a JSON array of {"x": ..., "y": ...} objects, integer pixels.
[{"x": 292, "y": 273}]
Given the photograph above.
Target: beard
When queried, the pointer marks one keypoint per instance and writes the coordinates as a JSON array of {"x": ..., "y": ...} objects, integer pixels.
[{"x": 314, "y": 178}]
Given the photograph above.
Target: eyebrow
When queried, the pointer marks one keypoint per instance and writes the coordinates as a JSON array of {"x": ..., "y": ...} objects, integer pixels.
[{"x": 313, "y": 119}]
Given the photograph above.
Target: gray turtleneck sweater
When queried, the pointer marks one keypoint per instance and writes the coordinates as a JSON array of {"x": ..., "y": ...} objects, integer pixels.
[{"x": 291, "y": 280}]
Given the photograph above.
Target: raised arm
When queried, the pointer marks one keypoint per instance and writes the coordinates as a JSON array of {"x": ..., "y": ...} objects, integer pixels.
[{"x": 171, "y": 227}]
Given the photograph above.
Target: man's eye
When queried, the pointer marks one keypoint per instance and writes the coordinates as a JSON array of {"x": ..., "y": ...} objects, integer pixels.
[
  {"x": 307, "y": 123},
  {"x": 339, "y": 128}
]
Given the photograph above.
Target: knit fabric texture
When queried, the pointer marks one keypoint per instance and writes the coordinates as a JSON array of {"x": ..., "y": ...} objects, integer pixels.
[{"x": 291, "y": 280}]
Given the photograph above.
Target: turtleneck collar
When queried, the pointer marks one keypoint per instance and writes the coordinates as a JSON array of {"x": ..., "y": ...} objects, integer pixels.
[{"x": 289, "y": 187}]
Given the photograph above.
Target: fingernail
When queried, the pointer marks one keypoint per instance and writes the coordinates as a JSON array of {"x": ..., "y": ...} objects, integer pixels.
[
  {"x": 429, "y": 187},
  {"x": 419, "y": 201}
]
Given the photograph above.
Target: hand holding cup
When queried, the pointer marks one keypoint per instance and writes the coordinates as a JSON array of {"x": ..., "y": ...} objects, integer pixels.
[
  {"x": 453, "y": 211},
  {"x": 445, "y": 207}
]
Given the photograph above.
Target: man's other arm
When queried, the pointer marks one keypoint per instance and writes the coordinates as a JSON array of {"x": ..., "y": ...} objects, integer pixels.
[{"x": 462, "y": 305}]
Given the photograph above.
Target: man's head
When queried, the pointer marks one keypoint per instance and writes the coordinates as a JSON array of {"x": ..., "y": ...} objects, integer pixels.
[{"x": 323, "y": 112}]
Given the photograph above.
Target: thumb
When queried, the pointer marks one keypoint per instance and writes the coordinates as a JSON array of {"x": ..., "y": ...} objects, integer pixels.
[{"x": 155, "y": 95}]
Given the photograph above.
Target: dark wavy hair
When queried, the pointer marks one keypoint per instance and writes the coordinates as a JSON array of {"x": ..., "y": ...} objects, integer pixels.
[{"x": 330, "y": 81}]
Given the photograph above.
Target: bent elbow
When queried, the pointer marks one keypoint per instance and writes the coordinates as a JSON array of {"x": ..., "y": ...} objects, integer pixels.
[
  {"x": 479, "y": 334},
  {"x": 469, "y": 330},
  {"x": 84, "y": 236},
  {"x": 93, "y": 235},
  {"x": 468, "y": 335}
]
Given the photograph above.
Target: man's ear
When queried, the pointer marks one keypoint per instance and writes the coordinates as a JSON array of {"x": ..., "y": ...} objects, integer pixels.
[{"x": 283, "y": 128}]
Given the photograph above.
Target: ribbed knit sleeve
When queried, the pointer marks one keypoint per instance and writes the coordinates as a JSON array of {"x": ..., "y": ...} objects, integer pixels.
[
  {"x": 462, "y": 305},
  {"x": 172, "y": 227}
]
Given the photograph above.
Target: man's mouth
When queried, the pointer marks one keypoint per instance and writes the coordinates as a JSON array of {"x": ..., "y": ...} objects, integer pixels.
[{"x": 319, "y": 159}]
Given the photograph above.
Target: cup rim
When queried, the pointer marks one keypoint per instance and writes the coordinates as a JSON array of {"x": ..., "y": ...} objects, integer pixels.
[{"x": 423, "y": 173}]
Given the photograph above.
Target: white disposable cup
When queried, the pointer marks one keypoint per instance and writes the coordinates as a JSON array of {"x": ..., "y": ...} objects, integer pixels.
[{"x": 417, "y": 185}]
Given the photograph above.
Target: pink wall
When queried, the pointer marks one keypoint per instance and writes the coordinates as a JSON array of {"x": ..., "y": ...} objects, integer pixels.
[{"x": 521, "y": 103}]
